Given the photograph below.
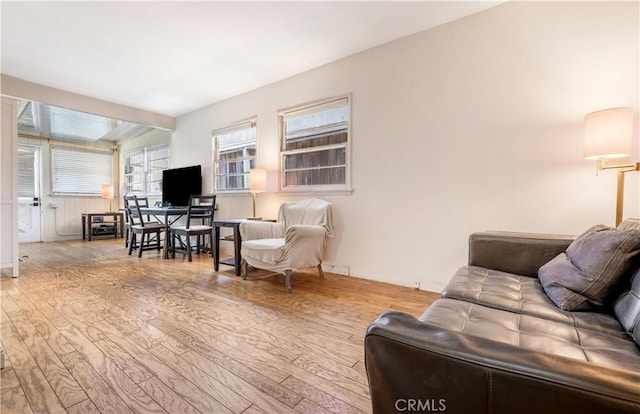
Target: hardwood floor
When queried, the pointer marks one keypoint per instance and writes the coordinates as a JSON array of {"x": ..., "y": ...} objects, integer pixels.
[{"x": 87, "y": 328}]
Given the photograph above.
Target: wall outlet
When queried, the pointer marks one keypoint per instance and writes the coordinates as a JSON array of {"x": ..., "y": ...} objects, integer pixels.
[
  {"x": 338, "y": 270},
  {"x": 416, "y": 285}
]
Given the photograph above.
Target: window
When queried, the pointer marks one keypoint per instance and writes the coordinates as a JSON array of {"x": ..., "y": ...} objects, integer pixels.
[
  {"x": 143, "y": 170},
  {"x": 234, "y": 154},
  {"x": 315, "y": 146},
  {"x": 77, "y": 171}
]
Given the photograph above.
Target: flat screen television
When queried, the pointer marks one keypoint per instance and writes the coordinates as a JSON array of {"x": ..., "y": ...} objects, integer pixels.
[{"x": 179, "y": 184}]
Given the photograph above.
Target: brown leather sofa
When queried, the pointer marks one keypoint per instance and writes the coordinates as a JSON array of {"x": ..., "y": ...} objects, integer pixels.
[{"x": 495, "y": 343}]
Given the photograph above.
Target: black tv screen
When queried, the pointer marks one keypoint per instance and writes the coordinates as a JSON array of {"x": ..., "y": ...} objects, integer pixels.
[{"x": 179, "y": 184}]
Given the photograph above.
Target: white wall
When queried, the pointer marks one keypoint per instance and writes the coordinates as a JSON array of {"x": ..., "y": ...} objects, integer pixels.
[
  {"x": 473, "y": 125},
  {"x": 8, "y": 187}
]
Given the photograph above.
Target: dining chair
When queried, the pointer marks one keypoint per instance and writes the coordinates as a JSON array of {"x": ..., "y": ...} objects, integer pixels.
[
  {"x": 137, "y": 225},
  {"x": 201, "y": 207}
]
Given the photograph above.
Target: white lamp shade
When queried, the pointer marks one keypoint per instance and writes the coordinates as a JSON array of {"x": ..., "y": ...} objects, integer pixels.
[
  {"x": 257, "y": 180},
  {"x": 608, "y": 133},
  {"x": 107, "y": 191}
]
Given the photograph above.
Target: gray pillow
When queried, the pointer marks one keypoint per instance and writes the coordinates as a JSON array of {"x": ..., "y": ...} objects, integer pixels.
[{"x": 593, "y": 270}]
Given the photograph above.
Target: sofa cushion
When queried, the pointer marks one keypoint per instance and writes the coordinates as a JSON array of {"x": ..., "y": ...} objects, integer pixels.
[
  {"x": 522, "y": 294},
  {"x": 534, "y": 334},
  {"x": 593, "y": 269},
  {"x": 627, "y": 308},
  {"x": 269, "y": 251}
]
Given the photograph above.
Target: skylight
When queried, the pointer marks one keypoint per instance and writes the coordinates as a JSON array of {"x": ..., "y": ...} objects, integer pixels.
[
  {"x": 51, "y": 121},
  {"x": 78, "y": 126}
]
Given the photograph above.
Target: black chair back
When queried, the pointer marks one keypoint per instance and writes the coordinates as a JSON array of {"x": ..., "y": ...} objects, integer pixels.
[
  {"x": 132, "y": 205},
  {"x": 201, "y": 207}
]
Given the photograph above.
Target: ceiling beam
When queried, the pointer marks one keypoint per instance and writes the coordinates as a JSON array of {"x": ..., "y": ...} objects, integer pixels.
[{"x": 19, "y": 88}]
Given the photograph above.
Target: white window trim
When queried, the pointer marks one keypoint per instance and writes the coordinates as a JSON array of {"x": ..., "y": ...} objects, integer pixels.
[
  {"x": 303, "y": 109},
  {"x": 243, "y": 124},
  {"x": 145, "y": 157}
]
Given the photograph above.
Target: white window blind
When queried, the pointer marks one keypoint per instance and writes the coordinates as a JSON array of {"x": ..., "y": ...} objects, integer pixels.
[
  {"x": 234, "y": 155},
  {"x": 77, "y": 125},
  {"x": 26, "y": 173},
  {"x": 77, "y": 171}
]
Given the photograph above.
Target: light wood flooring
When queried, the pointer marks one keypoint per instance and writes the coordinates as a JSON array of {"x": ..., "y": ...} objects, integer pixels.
[{"x": 87, "y": 328}]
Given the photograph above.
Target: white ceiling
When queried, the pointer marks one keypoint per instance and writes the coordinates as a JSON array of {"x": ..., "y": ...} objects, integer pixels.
[{"x": 175, "y": 57}]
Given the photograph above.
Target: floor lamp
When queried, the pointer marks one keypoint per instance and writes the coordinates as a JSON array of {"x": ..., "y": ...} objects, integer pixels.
[
  {"x": 608, "y": 135},
  {"x": 257, "y": 184}
]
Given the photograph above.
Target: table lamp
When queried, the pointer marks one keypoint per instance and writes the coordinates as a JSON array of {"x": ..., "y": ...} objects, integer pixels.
[
  {"x": 607, "y": 135},
  {"x": 257, "y": 184},
  {"x": 107, "y": 194}
]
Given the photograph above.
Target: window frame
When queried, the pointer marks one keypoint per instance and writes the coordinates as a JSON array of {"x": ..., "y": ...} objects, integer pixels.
[
  {"x": 146, "y": 171},
  {"x": 98, "y": 191},
  {"x": 310, "y": 108},
  {"x": 250, "y": 123}
]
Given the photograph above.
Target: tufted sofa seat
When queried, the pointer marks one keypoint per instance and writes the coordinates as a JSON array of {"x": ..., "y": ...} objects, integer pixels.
[
  {"x": 496, "y": 343},
  {"x": 522, "y": 295}
]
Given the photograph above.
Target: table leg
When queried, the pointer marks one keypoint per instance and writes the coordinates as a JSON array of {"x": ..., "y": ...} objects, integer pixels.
[
  {"x": 167, "y": 234},
  {"x": 84, "y": 227},
  {"x": 237, "y": 244},
  {"x": 89, "y": 222},
  {"x": 216, "y": 249}
]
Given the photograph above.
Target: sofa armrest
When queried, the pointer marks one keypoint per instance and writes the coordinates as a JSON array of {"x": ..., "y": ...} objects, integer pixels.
[
  {"x": 253, "y": 230},
  {"x": 304, "y": 245},
  {"x": 519, "y": 253},
  {"x": 410, "y": 362}
]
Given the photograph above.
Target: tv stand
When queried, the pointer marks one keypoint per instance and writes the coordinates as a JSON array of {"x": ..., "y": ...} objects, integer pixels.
[{"x": 93, "y": 224}]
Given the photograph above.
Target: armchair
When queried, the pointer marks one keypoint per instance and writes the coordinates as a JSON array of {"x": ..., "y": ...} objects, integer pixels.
[{"x": 295, "y": 241}]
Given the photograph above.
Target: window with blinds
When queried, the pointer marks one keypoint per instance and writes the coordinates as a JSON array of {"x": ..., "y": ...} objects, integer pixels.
[
  {"x": 143, "y": 170},
  {"x": 234, "y": 154},
  {"x": 315, "y": 146},
  {"x": 82, "y": 172},
  {"x": 27, "y": 174},
  {"x": 76, "y": 125}
]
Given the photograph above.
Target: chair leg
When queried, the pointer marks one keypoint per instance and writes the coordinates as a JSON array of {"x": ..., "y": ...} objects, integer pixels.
[
  {"x": 320, "y": 271},
  {"x": 141, "y": 247},
  {"x": 158, "y": 240},
  {"x": 189, "y": 247},
  {"x": 173, "y": 245},
  {"x": 287, "y": 280},
  {"x": 131, "y": 242},
  {"x": 244, "y": 266}
]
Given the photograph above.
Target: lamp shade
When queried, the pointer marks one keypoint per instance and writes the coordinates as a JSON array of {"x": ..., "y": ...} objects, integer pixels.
[
  {"x": 607, "y": 133},
  {"x": 107, "y": 191},
  {"x": 257, "y": 180}
]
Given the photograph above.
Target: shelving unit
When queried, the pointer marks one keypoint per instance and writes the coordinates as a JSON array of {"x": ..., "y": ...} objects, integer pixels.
[{"x": 95, "y": 225}]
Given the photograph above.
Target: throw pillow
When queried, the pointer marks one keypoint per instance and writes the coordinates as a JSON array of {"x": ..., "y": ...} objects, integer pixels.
[{"x": 593, "y": 269}]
